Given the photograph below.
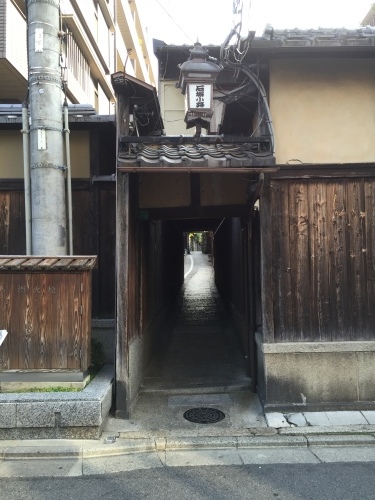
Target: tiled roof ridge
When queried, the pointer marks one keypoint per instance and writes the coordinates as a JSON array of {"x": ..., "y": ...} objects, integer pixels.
[
  {"x": 199, "y": 155},
  {"x": 322, "y": 36},
  {"x": 194, "y": 150},
  {"x": 362, "y": 31},
  {"x": 310, "y": 34}
]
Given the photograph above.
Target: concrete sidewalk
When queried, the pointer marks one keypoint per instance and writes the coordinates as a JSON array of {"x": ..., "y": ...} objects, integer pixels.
[
  {"x": 163, "y": 438},
  {"x": 114, "y": 453},
  {"x": 159, "y": 436}
]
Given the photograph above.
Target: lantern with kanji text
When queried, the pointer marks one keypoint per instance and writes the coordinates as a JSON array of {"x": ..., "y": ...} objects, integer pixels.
[{"x": 197, "y": 77}]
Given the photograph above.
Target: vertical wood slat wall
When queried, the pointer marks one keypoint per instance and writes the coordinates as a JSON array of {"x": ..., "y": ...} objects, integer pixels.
[
  {"x": 13, "y": 241},
  {"x": 12, "y": 221},
  {"x": 322, "y": 260},
  {"x": 230, "y": 273}
]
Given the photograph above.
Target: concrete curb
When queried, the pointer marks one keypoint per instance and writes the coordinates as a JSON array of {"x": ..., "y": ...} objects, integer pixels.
[
  {"x": 90, "y": 449},
  {"x": 330, "y": 430}
]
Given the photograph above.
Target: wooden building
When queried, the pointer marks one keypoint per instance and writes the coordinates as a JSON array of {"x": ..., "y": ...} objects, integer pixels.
[{"x": 295, "y": 258}]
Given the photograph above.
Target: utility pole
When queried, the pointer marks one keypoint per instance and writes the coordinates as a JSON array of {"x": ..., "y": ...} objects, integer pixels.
[{"x": 47, "y": 169}]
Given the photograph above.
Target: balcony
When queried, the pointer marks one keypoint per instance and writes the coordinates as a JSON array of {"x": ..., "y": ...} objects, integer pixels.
[
  {"x": 134, "y": 41},
  {"x": 90, "y": 51},
  {"x": 13, "y": 54}
]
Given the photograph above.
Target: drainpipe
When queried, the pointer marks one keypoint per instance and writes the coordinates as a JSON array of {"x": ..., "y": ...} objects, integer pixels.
[
  {"x": 69, "y": 177},
  {"x": 26, "y": 174}
]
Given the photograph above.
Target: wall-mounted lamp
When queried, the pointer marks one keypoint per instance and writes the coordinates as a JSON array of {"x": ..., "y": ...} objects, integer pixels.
[{"x": 197, "y": 77}]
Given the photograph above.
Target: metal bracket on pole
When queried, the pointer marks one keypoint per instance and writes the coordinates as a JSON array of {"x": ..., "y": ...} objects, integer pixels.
[{"x": 33, "y": 166}]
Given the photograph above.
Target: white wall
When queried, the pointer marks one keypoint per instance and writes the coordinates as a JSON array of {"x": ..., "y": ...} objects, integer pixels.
[{"x": 323, "y": 110}]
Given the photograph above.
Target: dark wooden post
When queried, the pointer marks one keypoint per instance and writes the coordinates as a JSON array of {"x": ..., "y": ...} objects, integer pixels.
[
  {"x": 266, "y": 261},
  {"x": 122, "y": 280}
]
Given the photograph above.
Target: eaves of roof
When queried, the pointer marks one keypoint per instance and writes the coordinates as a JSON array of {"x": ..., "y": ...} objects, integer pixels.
[
  {"x": 338, "y": 40},
  {"x": 193, "y": 156}
]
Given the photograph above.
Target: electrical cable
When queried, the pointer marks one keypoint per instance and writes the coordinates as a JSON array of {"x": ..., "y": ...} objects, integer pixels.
[
  {"x": 224, "y": 58},
  {"x": 179, "y": 27},
  {"x": 218, "y": 227},
  {"x": 142, "y": 124},
  {"x": 126, "y": 61}
]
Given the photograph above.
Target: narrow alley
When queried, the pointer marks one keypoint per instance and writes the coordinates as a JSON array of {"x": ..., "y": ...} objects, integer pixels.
[
  {"x": 198, "y": 363},
  {"x": 201, "y": 352}
]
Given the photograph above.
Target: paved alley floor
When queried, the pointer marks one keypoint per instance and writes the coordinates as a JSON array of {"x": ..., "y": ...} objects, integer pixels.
[{"x": 201, "y": 350}]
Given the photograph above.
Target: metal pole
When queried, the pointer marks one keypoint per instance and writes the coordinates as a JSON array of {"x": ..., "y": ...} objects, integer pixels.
[
  {"x": 26, "y": 175},
  {"x": 68, "y": 177},
  {"x": 46, "y": 129}
]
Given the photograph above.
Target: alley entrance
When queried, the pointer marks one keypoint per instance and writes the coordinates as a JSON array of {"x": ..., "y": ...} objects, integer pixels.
[
  {"x": 197, "y": 361},
  {"x": 207, "y": 342},
  {"x": 199, "y": 350}
]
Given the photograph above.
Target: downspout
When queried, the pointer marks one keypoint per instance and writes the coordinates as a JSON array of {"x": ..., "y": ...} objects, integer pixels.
[
  {"x": 26, "y": 174},
  {"x": 68, "y": 177}
]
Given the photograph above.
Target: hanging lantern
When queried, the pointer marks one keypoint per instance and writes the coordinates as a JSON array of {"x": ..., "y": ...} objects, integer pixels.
[{"x": 197, "y": 77}]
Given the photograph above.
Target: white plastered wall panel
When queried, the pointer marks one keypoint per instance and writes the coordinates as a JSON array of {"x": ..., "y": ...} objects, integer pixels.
[
  {"x": 11, "y": 165},
  {"x": 172, "y": 104},
  {"x": 323, "y": 110}
]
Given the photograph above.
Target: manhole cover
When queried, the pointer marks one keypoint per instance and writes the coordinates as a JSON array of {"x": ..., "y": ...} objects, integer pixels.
[{"x": 204, "y": 415}]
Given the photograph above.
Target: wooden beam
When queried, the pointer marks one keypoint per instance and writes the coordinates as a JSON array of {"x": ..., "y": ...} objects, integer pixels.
[
  {"x": 192, "y": 139},
  {"x": 313, "y": 170},
  {"x": 199, "y": 170},
  {"x": 195, "y": 212},
  {"x": 195, "y": 187}
]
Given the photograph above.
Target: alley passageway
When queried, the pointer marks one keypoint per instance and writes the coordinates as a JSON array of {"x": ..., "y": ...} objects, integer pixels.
[
  {"x": 199, "y": 348},
  {"x": 198, "y": 363}
]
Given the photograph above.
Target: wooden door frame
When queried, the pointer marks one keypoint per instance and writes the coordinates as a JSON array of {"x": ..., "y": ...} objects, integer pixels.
[
  {"x": 127, "y": 264},
  {"x": 249, "y": 291}
]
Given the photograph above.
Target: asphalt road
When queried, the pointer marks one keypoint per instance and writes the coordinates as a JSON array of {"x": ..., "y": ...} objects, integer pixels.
[{"x": 345, "y": 481}]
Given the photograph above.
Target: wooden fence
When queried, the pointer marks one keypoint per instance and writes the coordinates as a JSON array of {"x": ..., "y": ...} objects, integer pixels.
[
  {"x": 45, "y": 305},
  {"x": 319, "y": 263}
]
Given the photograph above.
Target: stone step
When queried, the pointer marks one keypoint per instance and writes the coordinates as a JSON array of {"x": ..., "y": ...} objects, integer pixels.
[{"x": 197, "y": 386}]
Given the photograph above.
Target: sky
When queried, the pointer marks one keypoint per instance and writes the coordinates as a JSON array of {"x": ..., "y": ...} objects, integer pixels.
[{"x": 210, "y": 21}]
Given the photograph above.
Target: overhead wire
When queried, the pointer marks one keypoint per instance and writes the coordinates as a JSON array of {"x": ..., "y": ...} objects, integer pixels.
[
  {"x": 237, "y": 65},
  {"x": 178, "y": 26}
]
